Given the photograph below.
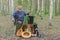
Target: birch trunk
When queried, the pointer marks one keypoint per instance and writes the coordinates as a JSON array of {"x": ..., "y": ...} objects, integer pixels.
[
  {"x": 12, "y": 6},
  {"x": 51, "y": 12},
  {"x": 38, "y": 1},
  {"x": 42, "y": 9}
]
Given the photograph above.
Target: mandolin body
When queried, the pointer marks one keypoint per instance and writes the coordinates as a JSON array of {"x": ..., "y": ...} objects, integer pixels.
[{"x": 19, "y": 32}]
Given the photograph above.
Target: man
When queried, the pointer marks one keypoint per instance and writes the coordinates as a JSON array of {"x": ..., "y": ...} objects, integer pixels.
[
  {"x": 18, "y": 17},
  {"x": 35, "y": 25}
]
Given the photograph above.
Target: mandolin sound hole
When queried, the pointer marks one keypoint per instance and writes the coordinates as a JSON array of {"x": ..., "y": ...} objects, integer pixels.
[{"x": 26, "y": 34}]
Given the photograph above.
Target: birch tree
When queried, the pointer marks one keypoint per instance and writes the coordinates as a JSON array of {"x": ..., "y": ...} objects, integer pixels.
[
  {"x": 12, "y": 6},
  {"x": 38, "y": 3},
  {"x": 51, "y": 12},
  {"x": 42, "y": 9}
]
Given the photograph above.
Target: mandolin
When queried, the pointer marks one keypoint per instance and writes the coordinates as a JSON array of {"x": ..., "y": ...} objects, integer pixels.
[{"x": 19, "y": 32}]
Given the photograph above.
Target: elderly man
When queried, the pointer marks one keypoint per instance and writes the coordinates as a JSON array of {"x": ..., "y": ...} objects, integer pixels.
[{"x": 18, "y": 17}]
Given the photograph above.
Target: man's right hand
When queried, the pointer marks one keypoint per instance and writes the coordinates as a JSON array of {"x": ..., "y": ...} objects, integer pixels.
[{"x": 13, "y": 20}]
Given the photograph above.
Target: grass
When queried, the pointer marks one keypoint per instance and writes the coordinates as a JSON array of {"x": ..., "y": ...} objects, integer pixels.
[{"x": 7, "y": 29}]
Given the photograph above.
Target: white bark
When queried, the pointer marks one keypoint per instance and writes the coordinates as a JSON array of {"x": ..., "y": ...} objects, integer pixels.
[
  {"x": 42, "y": 8},
  {"x": 12, "y": 6},
  {"x": 51, "y": 9},
  {"x": 51, "y": 12},
  {"x": 38, "y": 1}
]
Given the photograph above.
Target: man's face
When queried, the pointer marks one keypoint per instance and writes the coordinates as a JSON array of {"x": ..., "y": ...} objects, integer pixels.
[{"x": 20, "y": 8}]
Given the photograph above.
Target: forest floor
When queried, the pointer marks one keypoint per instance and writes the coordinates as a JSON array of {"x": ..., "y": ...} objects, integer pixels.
[{"x": 7, "y": 29}]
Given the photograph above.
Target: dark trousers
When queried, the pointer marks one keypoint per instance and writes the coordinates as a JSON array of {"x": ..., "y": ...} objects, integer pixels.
[{"x": 18, "y": 25}]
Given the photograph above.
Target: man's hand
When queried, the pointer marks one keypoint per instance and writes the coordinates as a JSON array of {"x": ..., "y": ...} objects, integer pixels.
[{"x": 13, "y": 20}]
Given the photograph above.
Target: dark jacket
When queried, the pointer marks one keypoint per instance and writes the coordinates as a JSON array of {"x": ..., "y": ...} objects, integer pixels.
[{"x": 19, "y": 16}]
